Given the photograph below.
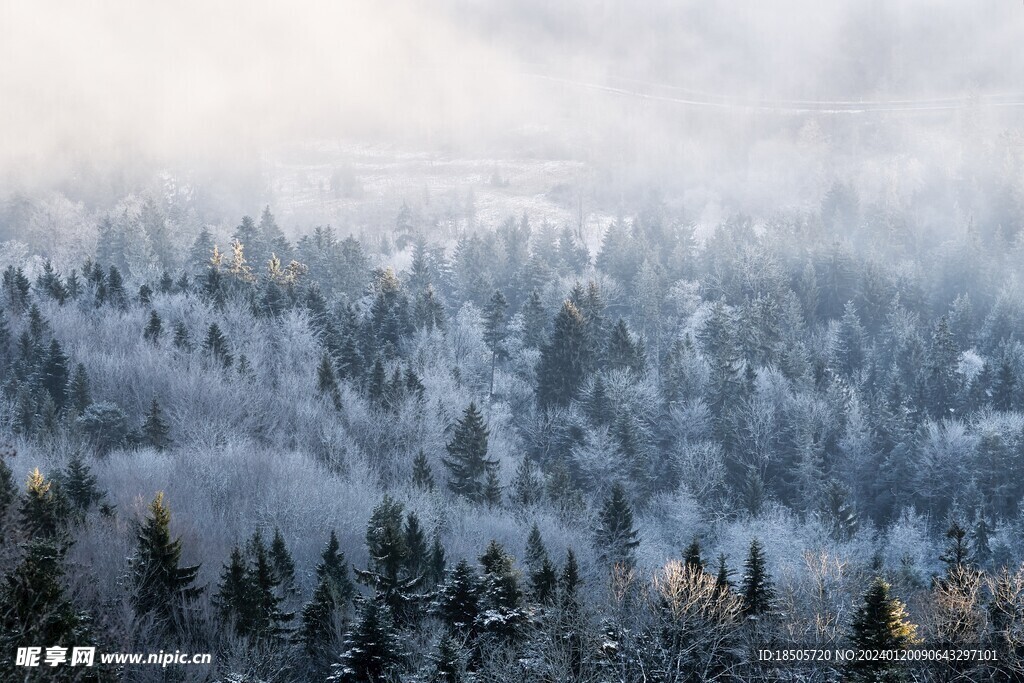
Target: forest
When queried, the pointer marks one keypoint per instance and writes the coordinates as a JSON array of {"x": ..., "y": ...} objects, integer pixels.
[{"x": 498, "y": 453}]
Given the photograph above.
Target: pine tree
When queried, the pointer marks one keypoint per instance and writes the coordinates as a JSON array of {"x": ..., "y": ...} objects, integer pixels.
[
  {"x": 162, "y": 587},
  {"x": 544, "y": 582},
  {"x": 263, "y": 617},
  {"x": 154, "y": 328},
  {"x": 723, "y": 582},
  {"x": 957, "y": 556},
  {"x": 535, "y": 550},
  {"x": 535, "y": 321},
  {"x": 232, "y": 593},
  {"x": 980, "y": 541},
  {"x": 115, "y": 288},
  {"x": 155, "y": 429},
  {"x": 570, "y": 581},
  {"x": 78, "y": 389},
  {"x": 417, "y": 553},
  {"x": 372, "y": 649},
  {"x": 692, "y": 558},
  {"x": 78, "y": 484},
  {"x": 55, "y": 374},
  {"x": 216, "y": 345},
  {"x": 880, "y": 624},
  {"x": 333, "y": 569},
  {"x": 616, "y": 537},
  {"x": 8, "y": 492},
  {"x": 563, "y": 360},
  {"x": 389, "y": 554},
  {"x": 527, "y": 486},
  {"x": 281, "y": 563},
  {"x": 436, "y": 563},
  {"x": 495, "y": 330},
  {"x": 422, "y": 477},
  {"x": 756, "y": 590},
  {"x": 326, "y": 382},
  {"x": 182, "y": 341},
  {"x": 448, "y": 665},
  {"x": 500, "y": 593},
  {"x": 44, "y": 508},
  {"x": 467, "y": 463},
  {"x": 458, "y": 599},
  {"x": 34, "y": 607},
  {"x": 492, "y": 489},
  {"x": 623, "y": 353}
]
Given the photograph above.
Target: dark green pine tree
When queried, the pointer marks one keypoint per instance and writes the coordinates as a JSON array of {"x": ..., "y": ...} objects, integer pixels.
[
  {"x": 163, "y": 588},
  {"x": 527, "y": 485},
  {"x": 216, "y": 344},
  {"x": 957, "y": 555},
  {"x": 623, "y": 353},
  {"x": 756, "y": 589},
  {"x": 880, "y": 624},
  {"x": 145, "y": 295},
  {"x": 373, "y": 649},
  {"x": 501, "y": 595},
  {"x": 458, "y": 599},
  {"x": 376, "y": 389},
  {"x": 265, "y": 620},
  {"x": 155, "y": 429},
  {"x": 232, "y": 593},
  {"x": 617, "y": 540},
  {"x": 723, "y": 580},
  {"x": 599, "y": 407},
  {"x": 570, "y": 581},
  {"x": 437, "y": 562},
  {"x": 8, "y": 493},
  {"x": 448, "y": 662},
  {"x": 44, "y": 508},
  {"x": 334, "y": 570},
  {"x": 535, "y": 550},
  {"x": 201, "y": 251},
  {"x": 317, "y": 630},
  {"x": 55, "y": 374},
  {"x": 692, "y": 558},
  {"x": 417, "y": 553},
  {"x": 281, "y": 563},
  {"x": 387, "y": 575},
  {"x": 535, "y": 321},
  {"x": 563, "y": 360},
  {"x": 326, "y": 382},
  {"x": 182, "y": 341},
  {"x": 495, "y": 330},
  {"x": 34, "y": 607},
  {"x": 115, "y": 288},
  {"x": 544, "y": 582},
  {"x": 422, "y": 477},
  {"x": 467, "y": 463},
  {"x": 154, "y": 328},
  {"x": 492, "y": 489},
  {"x": 78, "y": 484},
  {"x": 980, "y": 541}
]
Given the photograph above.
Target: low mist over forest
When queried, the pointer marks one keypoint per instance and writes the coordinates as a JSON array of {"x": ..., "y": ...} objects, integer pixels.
[{"x": 453, "y": 342}]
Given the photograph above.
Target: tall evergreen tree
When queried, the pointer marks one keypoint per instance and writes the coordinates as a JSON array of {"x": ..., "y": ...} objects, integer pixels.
[
  {"x": 495, "y": 330},
  {"x": 617, "y": 540},
  {"x": 43, "y": 508},
  {"x": 458, "y": 599},
  {"x": 154, "y": 328},
  {"x": 216, "y": 344},
  {"x": 563, "y": 360},
  {"x": 422, "y": 477},
  {"x": 281, "y": 563},
  {"x": 373, "y": 649},
  {"x": 163, "y": 588},
  {"x": 756, "y": 589},
  {"x": 468, "y": 465},
  {"x": 880, "y": 624},
  {"x": 155, "y": 429}
]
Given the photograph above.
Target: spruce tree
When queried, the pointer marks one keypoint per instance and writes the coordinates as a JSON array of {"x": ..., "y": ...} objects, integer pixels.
[
  {"x": 281, "y": 562},
  {"x": 495, "y": 330},
  {"x": 78, "y": 484},
  {"x": 154, "y": 328},
  {"x": 756, "y": 589},
  {"x": 535, "y": 550},
  {"x": 8, "y": 493},
  {"x": 182, "y": 341},
  {"x": 326, "y": 382},
  {"x": 500, "y": 593},
  {"x": 448, "y": 665},
  {"x": 458, "y": 599},
  {"x": 216, "y": 344},
  {"x": 232, "y": 593},
  {"x": 535, "y": 321},
  {"x": 422, "y": 477},
  {"x": 723, "y": 582},
  {"x": 155, "y": 429},
  {"x": 527, "y": 486},
  {"x": 43, "y": 508},
  {"x": 162, "y": 587},
  {"x": 387, "y": 573},
  {"x": 417, "y": 552},
  {"x": 492, "y": 490},
  {"x": 957, "y": 556},
  {"x": 880, "y": 624},
  {"x": 333, "y": 569},
  {"x": 467, "y": 464},
  {"x": 436, "y": 563},
  {"x": 692, "y": 557},
  {"x": 544, "y": 582},
  {"x": 563, "y": 360},
  {"x": 55, "y": 374},
  {"x": 623, "y": 353},
  {"x": 264, "y": 618},
  {"x": 570, "y": 581},
  {"x": 317, "y": 630},
  {"x": 616, "y": 536},
  {"x": 373, "y": 649}
]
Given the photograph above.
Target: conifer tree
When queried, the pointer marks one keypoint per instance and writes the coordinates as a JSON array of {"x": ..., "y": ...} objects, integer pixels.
[
  {"x": 616, "y": 536},
  {"x": 448, "y": 665},
  {"x": 78, "y": 484},
  {"x": 500, "y": 592},
  {"x": 563, "y": 360},
  {"x": 387, "y": 575},
  {"x": 155, "y": 429},
  {"x": 756, "y": 590},
  {"x": 495, "y": 330},
  {"x": 458, "y": 599},
  {"x": 281, "y": 563},
  {"x": 535, "y": 550},
  {"x": 544, "y": 582},
  {"x": 154, "y": 328},
  {"x": 326, "y": 382},
  {"x": 34, "y": 607},
  {"x": 880, "y": 624},
  {"x": 422, "y": 477},
  {"x": 980, "y": 539},
  {"x": 723, "y": 583},
  {"x": 43, "y": 508},
  {"x": 216, "y": 344},
  {"x": 468, "y": 465},
  {"x": 535, "y": 321},
  {"x": 115, "y": 288},
  {"x": 264, "y": 618},
  {"x": 317, "y": 630},
  {"x": 55, "y": 374},
  {"x": 8, "y": 493},
  {"x": 623, "y": 353},
  {"x": 232, "y": 593},
  {"x": 570, "y": 580},
  {"x": 527, "y": 486},
  {"x": 692, "y": 557},
  {"x": 182, "y": 341},
  {"x": 436, "y": 563},
  {"x": 417, "y": 552},
  {"x": 333, "y": 569},
  {"x": 372, "y": 649},
  {"x": 492, "y": 490},
  {"x": 162, "y": 587}
]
